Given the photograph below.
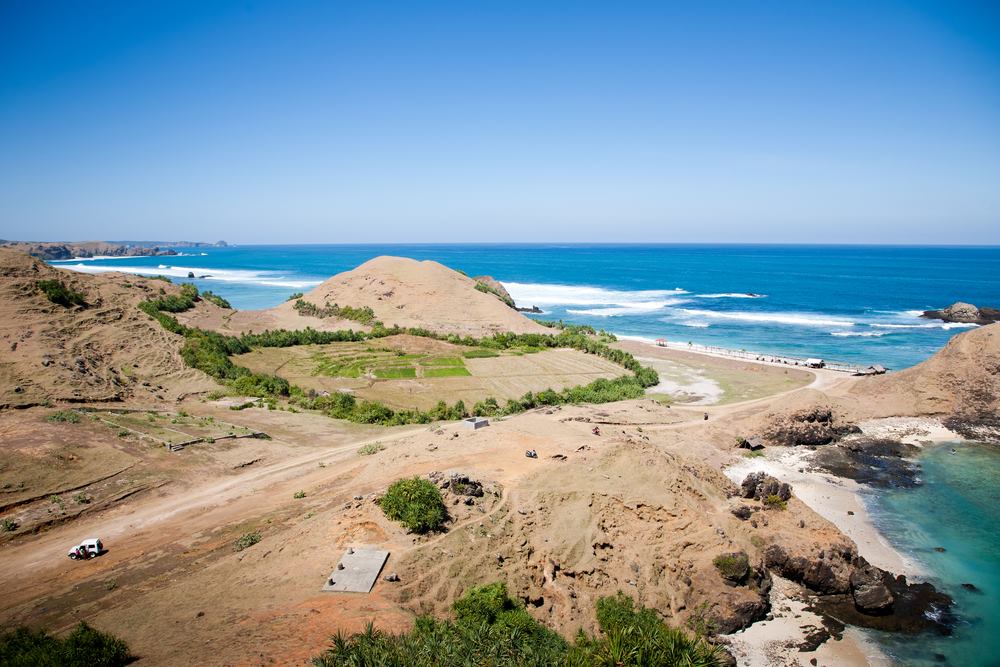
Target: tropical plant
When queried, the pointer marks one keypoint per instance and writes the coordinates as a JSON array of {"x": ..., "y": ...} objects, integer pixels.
[{"x": 416, "y": 503}]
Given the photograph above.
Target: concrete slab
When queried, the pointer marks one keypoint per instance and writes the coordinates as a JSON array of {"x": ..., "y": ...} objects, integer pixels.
[{"x": 357, "y": 571}]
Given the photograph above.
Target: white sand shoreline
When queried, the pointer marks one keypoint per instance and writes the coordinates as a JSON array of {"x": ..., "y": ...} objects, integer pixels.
[{"x": 832, "y": 498}]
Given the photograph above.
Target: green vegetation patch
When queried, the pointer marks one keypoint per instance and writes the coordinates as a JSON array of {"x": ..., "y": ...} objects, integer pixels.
[
  {"x": 246, "y": 541},
  {"x": 446, "y": 372},
  {"x": 442, "y": 361},
  {"x": 59, "y": 294},
  {"x": 733, "y": 566},
  {"x": 371, "y": 448},
  {"x": 67, "y": 416},
  {"x": 396, "y": 372},
  {"x": 491, "y": 628},
  {"x": 416, "y": 503},
  {"x": 481, "y": 353},
  {"x": 83, "y": 647}
]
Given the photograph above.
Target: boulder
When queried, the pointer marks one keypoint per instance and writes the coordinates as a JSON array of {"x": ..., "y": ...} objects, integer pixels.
[
  {"x": 964, "y": 313},
  {"x": 760, "y": 485},
  {"x": 810, "y": 428},
  {"x": 870, "y": 592}
]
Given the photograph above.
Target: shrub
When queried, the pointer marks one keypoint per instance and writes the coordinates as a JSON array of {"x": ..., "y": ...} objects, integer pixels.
[
  {"x": 59, "y": 294},
  {"x": 371, "y": 448},
  {"x": 631, "y": 636},
  {"x": 216, "y": 299},
  {"x": 295, "y": 297},
  {"x": 68, "y": 416},
  {"x": 774, "y": 502},
  {"x": 9, "y": 524},
  {"x": 491, "y": 628},
  {"x": 246, "y": 541},
  {"x": 299, "y": 495},
  {"x": 416, "y": 503},
  {"x": 82, "y": 499},
  {"x": 733, "y": 566},
  {"x": 83, "y": 647}
]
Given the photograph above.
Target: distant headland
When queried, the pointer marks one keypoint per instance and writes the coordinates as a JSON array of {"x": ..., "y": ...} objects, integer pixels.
[{"x": 57, "y": 250}]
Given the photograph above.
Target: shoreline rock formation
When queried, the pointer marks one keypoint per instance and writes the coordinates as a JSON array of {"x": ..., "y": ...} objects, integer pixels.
[{"x": 964, "y": 313}]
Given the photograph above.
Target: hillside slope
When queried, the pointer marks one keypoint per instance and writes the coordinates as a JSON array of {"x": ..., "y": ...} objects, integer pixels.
[
  {"x": 410, "y": 293},
  {"x": 106, "y": 351},
  {"x": 963, "y": 378}
]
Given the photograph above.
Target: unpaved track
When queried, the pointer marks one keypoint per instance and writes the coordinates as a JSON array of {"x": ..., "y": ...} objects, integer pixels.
[{"x": 32, "y": 567}]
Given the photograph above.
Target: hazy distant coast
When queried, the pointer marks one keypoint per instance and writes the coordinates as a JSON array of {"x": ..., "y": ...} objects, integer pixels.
[{"x": 58, "y": 250}]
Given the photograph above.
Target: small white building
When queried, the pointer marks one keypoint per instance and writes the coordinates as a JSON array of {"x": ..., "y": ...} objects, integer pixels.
[{"x": 815, "y": 363}]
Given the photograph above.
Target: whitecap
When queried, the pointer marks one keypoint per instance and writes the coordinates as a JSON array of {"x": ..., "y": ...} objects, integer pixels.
[
  {"x": 861, "y": 334},
  {"x": 731, "y": 295},
  {"x": 267, "y": 278},
  {"x": 792, "y": 318},
  {"x": 929, "y": 325},
  {"x": 629, "y": 309},
  {"x": 695, "y": 324},
  {"x": 550, "y": 294}
]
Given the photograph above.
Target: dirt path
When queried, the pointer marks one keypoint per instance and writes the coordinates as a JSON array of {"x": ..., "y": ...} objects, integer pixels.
[{"x": 31, "y": 567}]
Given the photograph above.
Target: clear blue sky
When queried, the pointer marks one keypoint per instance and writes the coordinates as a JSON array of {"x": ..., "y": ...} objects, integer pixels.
[{"x": 260, "y": 122}]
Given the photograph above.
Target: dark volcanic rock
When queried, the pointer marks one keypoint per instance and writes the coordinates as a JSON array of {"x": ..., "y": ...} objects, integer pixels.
[
  {"x": 983, "y": 428},
  {"x": 812, "y": 428},
  {"x": 760, "y": 485},
  {"x": 916, "y": 608},
  {"x": 742, "y": 512},
  {"x": 827, "y": 572},
  {"x": 870, "y": 591},
  {"x": 964, "y": 313},
  {"x": 879, "y": 462}
]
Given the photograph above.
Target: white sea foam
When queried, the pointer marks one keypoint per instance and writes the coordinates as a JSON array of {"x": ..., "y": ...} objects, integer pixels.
[
  {"x": 797, "y": 319},
  {"x": 546, "y": 294},
  {"x": 929, "y": 325},
  {"x": 731, "y": 295},
  {"x": 641, "y": 308},
  {"x": 695, "y": 324},
  {"x": 860, "y": 334},
  {"x": 268, "y": 278}
]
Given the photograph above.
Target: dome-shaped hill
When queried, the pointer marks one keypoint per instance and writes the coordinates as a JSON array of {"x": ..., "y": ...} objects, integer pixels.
[
  {"x": 104, "y": 350},
  {"x": 411, "y": 293},
  {"x": 963, "y": 378}
]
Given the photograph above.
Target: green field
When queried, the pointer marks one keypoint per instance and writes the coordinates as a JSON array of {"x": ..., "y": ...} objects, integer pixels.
[{"x": 415, "y": 372}]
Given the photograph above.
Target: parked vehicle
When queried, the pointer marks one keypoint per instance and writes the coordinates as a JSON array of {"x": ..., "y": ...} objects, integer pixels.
[{"x": 87, "y": 549}]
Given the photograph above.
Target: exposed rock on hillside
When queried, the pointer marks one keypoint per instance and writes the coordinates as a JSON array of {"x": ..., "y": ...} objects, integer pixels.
[
  {"x": 811, "y": 427},
  {"x": 409, "y": 293}
]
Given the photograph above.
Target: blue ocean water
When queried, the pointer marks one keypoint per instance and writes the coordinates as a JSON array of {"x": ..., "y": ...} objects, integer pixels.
[
  {"x": 850, "y": 303},
  {"x": 956, "y": 509}
]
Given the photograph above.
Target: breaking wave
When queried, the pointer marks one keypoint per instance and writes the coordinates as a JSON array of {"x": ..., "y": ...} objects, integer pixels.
[
  {"x": 628, "y": 309},
  {"x": 731, "y": 295},
  {"x": 796, "y": 319},
  {"x": 267, "y": 278},
  {"x": 546, "y": 294},
  {"x": 860, "y": 334},
  {"x": 930, "y": 325}
]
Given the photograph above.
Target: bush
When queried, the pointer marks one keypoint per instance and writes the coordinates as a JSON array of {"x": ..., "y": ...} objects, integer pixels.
[
  {"x": 299, "y": 495},
  {"x": 68, "y": 416},
  {"x": 246, "y": 541},
  {"x": 83, "y": 647},
  {"x": 734, "y": 566},
  {"x": 774, "y": 502},
  {"x": 59, "y": 294},
  {"x": 491, "y": 628},
  {"x": 371, "y": 448},
  {"x": 416, "y": 503},
  {"x": 9, "y": 524},
  {"x": 631, "y": 636},
  {"x": 216, "y": 299}
]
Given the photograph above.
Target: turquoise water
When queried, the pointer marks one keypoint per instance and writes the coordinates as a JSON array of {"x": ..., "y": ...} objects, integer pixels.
[
  {"x": 957, "y": 507},
  {"x": 851, "y": 303}
]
